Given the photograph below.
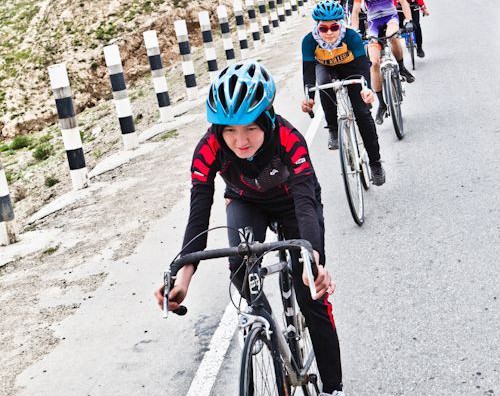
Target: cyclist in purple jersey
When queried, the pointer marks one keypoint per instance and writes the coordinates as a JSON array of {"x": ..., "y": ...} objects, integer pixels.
[{"x": 383, "y": 20}]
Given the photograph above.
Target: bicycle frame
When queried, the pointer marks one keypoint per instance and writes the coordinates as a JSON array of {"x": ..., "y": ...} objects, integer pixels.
[
  {"x": 259, "y": 316},
  {"x": 252, "y": 252},
  {"x": 344, "y": 107}
]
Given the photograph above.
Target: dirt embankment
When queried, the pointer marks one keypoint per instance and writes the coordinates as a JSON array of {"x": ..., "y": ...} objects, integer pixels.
[{"x": 75, "y": 33}]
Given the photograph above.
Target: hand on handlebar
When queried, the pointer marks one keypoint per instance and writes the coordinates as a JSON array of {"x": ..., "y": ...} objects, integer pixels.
[
  {"x": 368, "y": 96},
  {"x": 307, "y": 105},
  {"x": 175, "y": 298},
  {"x": 409, "y": 26},
  {"x": 323, "y": 282}
]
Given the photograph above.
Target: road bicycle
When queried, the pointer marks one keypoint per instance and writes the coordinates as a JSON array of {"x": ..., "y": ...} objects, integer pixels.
[
  {"x": 274, "y": 361},
  {"x": 410, "y": 41},
  {"x": 353, "y": 156},
  {"x": 392, "y": 87}
]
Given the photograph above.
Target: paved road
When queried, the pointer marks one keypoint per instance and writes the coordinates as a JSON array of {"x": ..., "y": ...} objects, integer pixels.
[{"x": 417, "y": 305}]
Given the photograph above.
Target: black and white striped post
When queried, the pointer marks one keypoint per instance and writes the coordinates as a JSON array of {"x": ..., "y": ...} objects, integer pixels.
[
  {"x": 294, "y": 7},
  {"x": 302, "y": 9},
  {"x": 281, "y": 11},
  {"x": 158, "y": 75},
  {"x": 264, "y": 20},
  {"x": 254, "y": 26},
  {"x": 187, "y": 61},
  {"x": 240, "y": 28},
  {"x": 208, "y": 45},
  {"x": 274, "y": 16},
  {"x": 120, "y": 97},
  {"x": 288, "y": 9},
  {"x": 227, "y": 40},
  {"x": 7, "y": 231},
  {"x": 59, "y": 82}
]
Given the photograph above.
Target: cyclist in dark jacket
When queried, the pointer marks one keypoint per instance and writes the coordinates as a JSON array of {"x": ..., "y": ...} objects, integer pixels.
[
  {"x": 333, "y": 50},
  {"x": 269, "y": 176},
  {"x": 416, "y": 6}
]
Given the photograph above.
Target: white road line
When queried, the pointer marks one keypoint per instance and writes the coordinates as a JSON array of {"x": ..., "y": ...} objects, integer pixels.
[
  {"x": 209, "y": 368},
  {"x": 314, "y": 126}
]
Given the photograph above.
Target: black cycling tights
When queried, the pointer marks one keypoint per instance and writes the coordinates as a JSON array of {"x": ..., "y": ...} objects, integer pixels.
[
  {"x": 318, "y": 314},
  {"x": 415, "y": 16},
  {"x": 362, "y": 113}
]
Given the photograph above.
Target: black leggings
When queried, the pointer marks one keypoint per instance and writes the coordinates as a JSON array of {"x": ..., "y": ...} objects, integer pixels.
[
  {"x": 362, "y": 113},
  {"x": 318, "y": 314},
  {"x": 415, "y": 16}
]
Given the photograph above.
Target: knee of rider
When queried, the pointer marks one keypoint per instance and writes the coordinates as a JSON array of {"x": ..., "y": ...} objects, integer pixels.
[{"x": 375, "y": 62}]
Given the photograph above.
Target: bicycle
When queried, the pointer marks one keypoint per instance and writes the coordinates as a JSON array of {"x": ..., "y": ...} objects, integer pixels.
[
  {"x": 410, "y": 40},
  {"x": 353, "y": 155},
  {"x": 391, "y": 83},
  {"x": 274, "y": 362}
]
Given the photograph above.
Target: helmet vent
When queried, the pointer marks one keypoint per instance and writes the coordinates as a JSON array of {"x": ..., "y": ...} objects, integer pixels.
[
  {"x": 222, "y": 97},
  {"x": 264, "y": 74},
  {"x": 232, "y": 84},
  {"x": 259, "y": 94},
  {"x": 241, "y": 96},
  {"x": 251, "y": 70}
]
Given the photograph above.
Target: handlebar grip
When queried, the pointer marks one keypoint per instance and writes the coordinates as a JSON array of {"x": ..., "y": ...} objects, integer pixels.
[
  {"x": 181, "y": 311},
  {"x": 311, "y": 114}
]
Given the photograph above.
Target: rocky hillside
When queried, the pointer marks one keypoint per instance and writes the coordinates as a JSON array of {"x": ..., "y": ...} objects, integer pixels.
[{"x": 37, "y": 34}]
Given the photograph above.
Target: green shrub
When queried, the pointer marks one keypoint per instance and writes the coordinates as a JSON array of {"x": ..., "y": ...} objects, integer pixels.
[
  {"x": 43, "y": 151},
  {"x": 4, "y": 147},
  {"x": 20, "y": 142},
  {"x": 51, "y": 181}
]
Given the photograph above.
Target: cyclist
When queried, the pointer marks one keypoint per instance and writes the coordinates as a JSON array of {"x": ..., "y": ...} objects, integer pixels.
[
  {"x": 332, "y": 50},
  {"x": 383, "y": 16},
  {"x": 265, "y": 164},
  {"x": 415, "y": 6}
]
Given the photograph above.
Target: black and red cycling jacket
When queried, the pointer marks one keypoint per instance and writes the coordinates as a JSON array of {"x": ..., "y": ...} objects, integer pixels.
[{"x": 287, "y": 181}]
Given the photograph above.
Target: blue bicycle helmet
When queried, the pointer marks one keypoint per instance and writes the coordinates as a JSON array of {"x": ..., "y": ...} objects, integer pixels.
[
  {"x": 241, "y": 93},
  {"x": 328, "y": 11}
]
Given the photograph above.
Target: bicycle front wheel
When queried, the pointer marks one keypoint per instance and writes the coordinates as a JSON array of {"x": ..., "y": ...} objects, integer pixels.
[
  {"x": 394, "y": 101},
  {"x": 365, "y": 169},
  {"x": 261, "y": 369},
  {"x": 350, "y": 164}
]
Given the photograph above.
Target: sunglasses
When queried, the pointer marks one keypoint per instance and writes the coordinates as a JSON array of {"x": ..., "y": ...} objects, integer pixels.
[{"x": 324, "y": 29}]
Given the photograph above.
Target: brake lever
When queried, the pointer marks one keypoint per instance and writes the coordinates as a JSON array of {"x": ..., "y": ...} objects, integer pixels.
[
  {"x": 306, "y": 93},
  {"x": 309, "y": 271},
  {"x": 167, "y": 282}
]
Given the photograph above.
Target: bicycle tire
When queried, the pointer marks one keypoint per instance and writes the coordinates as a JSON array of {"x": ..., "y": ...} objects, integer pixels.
[
  {"x": 349, "y": 162},
  {"x": 397, "y": 114},
  {"x": 366, "y": 176},
  {"x": 411, "y": 49},
  {"x": 305, "y": 347},
  {"x": 266, "y": 378},
  {"x": 394, "y": 102}
]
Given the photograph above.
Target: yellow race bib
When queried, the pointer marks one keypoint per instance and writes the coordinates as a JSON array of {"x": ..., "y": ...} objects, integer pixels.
[{"x": 337, "y": 56}]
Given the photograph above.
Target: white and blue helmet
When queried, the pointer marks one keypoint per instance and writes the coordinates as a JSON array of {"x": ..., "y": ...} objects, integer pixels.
[
  {"x": 328, "y": 10},
  {"x": 241, "y": 93}
]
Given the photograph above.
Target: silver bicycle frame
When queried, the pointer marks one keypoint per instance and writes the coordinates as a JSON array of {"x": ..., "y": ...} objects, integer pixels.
[{"x": 251, "y": 320}]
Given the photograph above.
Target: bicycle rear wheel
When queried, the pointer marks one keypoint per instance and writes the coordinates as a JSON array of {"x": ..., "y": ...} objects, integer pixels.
[
  {"x": 349, "y": 162},
  {"x": 411, "y": 49},
  {"x": 261, "y": 369},
  {"x": 394, "y": 101}
]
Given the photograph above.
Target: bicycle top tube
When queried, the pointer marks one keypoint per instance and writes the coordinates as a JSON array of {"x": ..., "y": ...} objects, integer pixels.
[
  {"x": 383, "y": 40},
  {"x": 338, "y": 84}
]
